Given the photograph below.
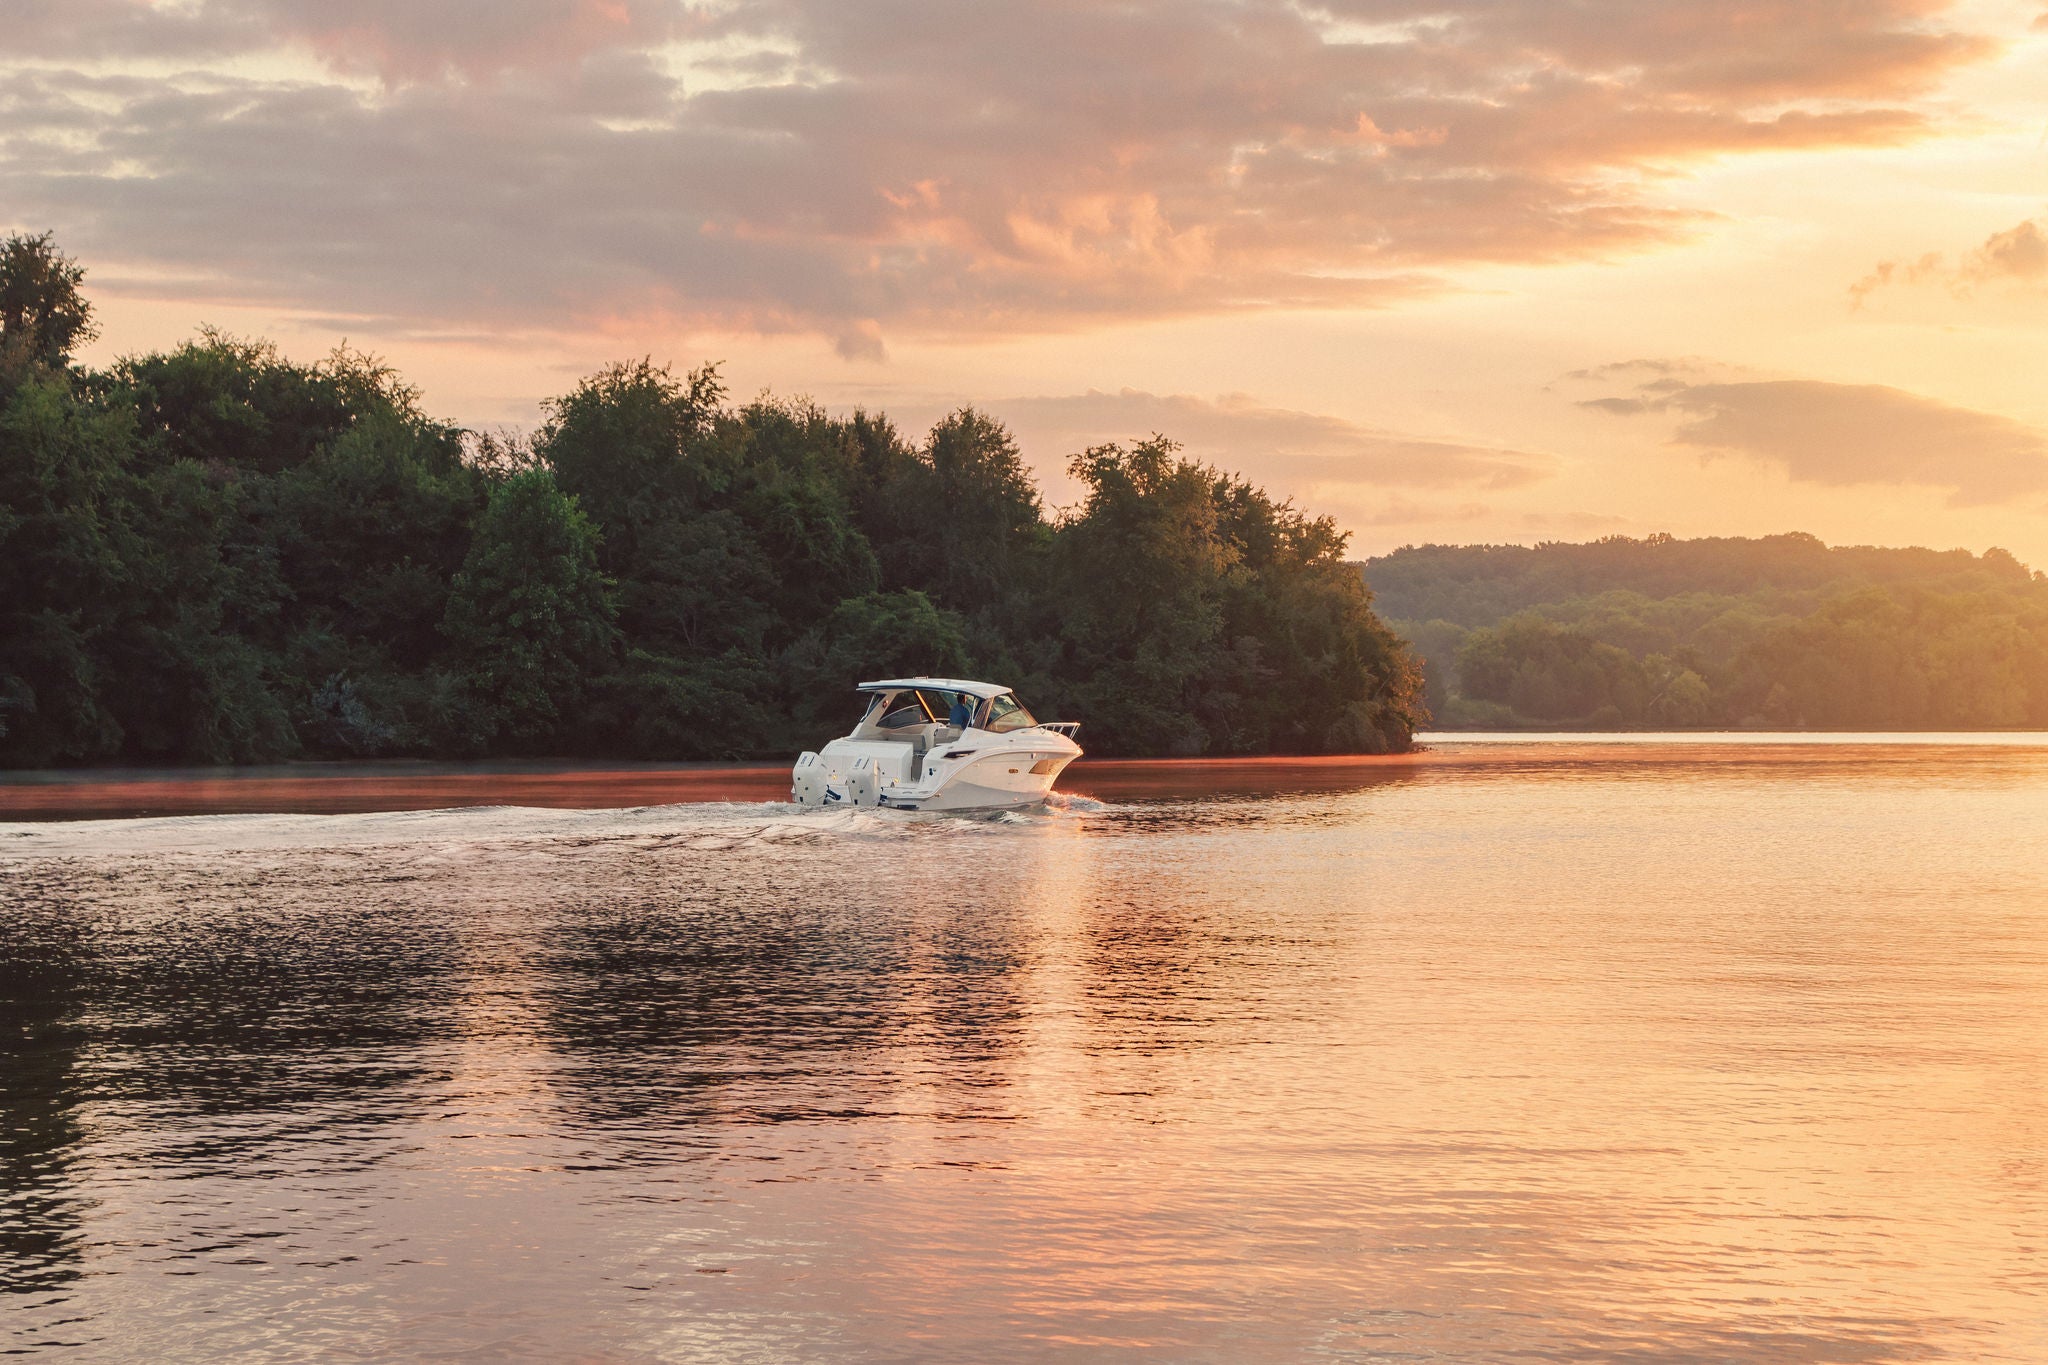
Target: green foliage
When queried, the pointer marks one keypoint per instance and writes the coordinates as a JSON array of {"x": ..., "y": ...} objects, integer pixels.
[
  {"x": 640, "y": 450},
  {"x": 224, "y": 557},
  {"x": 1483, "y": 584},
  {"x": 1902, "y": 657},
  {"x": 215, "y": 554},
  {"x": 43, "y": 317},
  {"x": 195, "y": 692},
  {"x": 790, "y": 499},
  {"x": 894, "y": 634},
  {"x": 530, "y": 620},
  {"x": 880, "y": 635},
  {"x": 966, "y": 521},
  {"x": 1198, "y": 616},
  {"x": 684, "y": 706},
  {"x": 1779, "y": 632},
  {"x": 1141, "y": 565},
  {"x": 61, "y": 571},
  {"x": 221, "y": 400}
]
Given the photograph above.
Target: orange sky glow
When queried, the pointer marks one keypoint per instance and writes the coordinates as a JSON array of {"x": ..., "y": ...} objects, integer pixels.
[{"x": 1473, "y": 270}]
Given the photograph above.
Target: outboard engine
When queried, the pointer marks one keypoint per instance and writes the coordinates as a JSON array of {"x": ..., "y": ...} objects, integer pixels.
[
  {"x": 864, "y": 783},
  {"x": 807, "y": 780}
]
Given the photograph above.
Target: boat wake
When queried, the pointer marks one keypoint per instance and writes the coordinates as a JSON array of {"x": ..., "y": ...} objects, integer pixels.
[{"x": 700, "y": 827}]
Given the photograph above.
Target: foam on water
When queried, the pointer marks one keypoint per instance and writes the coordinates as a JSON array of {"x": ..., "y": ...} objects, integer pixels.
[{"x": 707, "y": 825}]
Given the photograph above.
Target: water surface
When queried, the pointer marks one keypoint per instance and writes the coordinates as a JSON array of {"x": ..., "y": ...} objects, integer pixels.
[{"x": 1540, "y": 1051}]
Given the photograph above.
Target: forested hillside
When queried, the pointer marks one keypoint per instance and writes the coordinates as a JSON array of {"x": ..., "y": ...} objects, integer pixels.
[
  {"x": 1778, "y": 632},
  {"x": 219, "y": 555}
]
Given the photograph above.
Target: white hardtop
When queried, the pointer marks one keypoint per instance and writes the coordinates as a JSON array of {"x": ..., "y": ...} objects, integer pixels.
[{"x": 977, "y": 689}]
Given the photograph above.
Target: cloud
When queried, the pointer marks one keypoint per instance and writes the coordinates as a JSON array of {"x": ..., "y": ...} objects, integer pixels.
[
  {"x": 408, "y": 39},
  {"x": 1851, "y": 434},
  {"x": 1573, "y": 523},
  {"x": 1621, "y": 369},
  {"x": 1297, "y": 450},
  {"x": 2018, "y": 255},
  {"x": 1885, "y": 273},
  {"x": 394, "y": 40},
  {"x": 906, "y": 165}
]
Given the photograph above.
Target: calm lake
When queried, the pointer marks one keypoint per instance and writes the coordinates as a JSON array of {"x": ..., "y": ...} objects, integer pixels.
[{"x": 1534, "y": 1050}]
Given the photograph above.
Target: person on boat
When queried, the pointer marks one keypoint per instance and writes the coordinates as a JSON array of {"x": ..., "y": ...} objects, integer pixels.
[{"x": 962, "y": 714}]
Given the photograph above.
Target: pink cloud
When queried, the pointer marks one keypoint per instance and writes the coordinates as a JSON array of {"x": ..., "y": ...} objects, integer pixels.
[{"x": 920, "y": 165}]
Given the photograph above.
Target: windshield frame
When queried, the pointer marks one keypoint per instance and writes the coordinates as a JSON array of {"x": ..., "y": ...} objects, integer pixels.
[{"x": 1003, "y": 721}]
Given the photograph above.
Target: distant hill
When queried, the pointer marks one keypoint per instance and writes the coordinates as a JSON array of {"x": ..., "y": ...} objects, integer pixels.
[{"x": 1780, "y": 631}]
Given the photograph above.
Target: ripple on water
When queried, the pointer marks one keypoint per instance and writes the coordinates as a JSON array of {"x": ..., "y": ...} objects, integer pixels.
[{"x": 1540, "y": 1059}]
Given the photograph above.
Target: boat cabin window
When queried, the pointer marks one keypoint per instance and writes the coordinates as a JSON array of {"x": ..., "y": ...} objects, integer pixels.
[
  {"x": 896, "y": 714},
  {"x": 910, "y": 713},
  {"x": 943, "y": 705},
  {"x": 1006, "y": 713},
  {"x": 912, "y": 707}
]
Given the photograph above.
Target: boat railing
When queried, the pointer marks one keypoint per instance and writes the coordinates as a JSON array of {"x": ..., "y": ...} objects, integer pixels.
[{"x": 1061, "y": 727}]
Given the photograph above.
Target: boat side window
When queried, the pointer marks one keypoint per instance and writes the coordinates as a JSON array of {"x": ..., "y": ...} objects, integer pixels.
[
  {"x": 939, "y": 704},
  {"x": 914, "y": 711},
  {"x": 1006, "y": 713}
]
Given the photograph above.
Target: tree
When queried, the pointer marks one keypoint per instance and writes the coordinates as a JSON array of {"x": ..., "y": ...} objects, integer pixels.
[
  {"x": 61, "y": 458},
  {"x": 1300, "y": 626},
  {"x": 1681, "y": 697},
  {"x": 1198, "y": 616},
  {"x": 967, "y": 517},
  {"x": 632, "y": 444},
  {"x": 639, "y": 450},
  {"x": 1137, "y": 570},
  {"x": 1549, "y": 672},
  {"x": 791, "y": 464},
  {"x": 365, "y": 537},
  {"x": 881, "y": 635},
  {"x": 224, "y": 400},
  {"x": 217, "y": 554},
  {"x": 184, "y": 687},
  {"x": 43, "y": 316},
  {"x": 530, "y": 619}
]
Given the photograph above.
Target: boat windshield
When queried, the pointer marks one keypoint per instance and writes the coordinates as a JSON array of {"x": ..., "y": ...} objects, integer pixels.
[
  {"x": 915, "y": 706},
  {"x": 1006, "y": 713}
]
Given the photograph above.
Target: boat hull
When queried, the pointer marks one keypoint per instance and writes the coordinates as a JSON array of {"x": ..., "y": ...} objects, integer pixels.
[
  {"x": 998, "y": 782},
  {"x": 1004, "y": 778}
]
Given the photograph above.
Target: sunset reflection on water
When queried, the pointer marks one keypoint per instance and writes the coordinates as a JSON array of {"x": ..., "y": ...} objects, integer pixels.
[{"x": 1518, "y": 1051}]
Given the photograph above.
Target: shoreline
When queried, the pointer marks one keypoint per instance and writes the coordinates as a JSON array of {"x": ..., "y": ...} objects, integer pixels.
[{"x": 362, "y": 787}]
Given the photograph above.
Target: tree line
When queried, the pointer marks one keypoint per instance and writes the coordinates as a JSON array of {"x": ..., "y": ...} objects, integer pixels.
[
  {"x": 1780, "y": 632},
  {"x": 215, "y": 554}
]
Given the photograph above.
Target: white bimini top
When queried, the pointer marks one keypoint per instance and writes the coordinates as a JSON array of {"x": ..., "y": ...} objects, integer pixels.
[{"x": 977, "y": 689}]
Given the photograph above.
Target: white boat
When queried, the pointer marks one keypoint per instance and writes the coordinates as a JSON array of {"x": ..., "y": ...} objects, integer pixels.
[{"x": 938, "y": 744}]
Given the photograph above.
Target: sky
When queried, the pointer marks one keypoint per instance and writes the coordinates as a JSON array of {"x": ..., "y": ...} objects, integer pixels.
[{"x": 1463, "y": 271}]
